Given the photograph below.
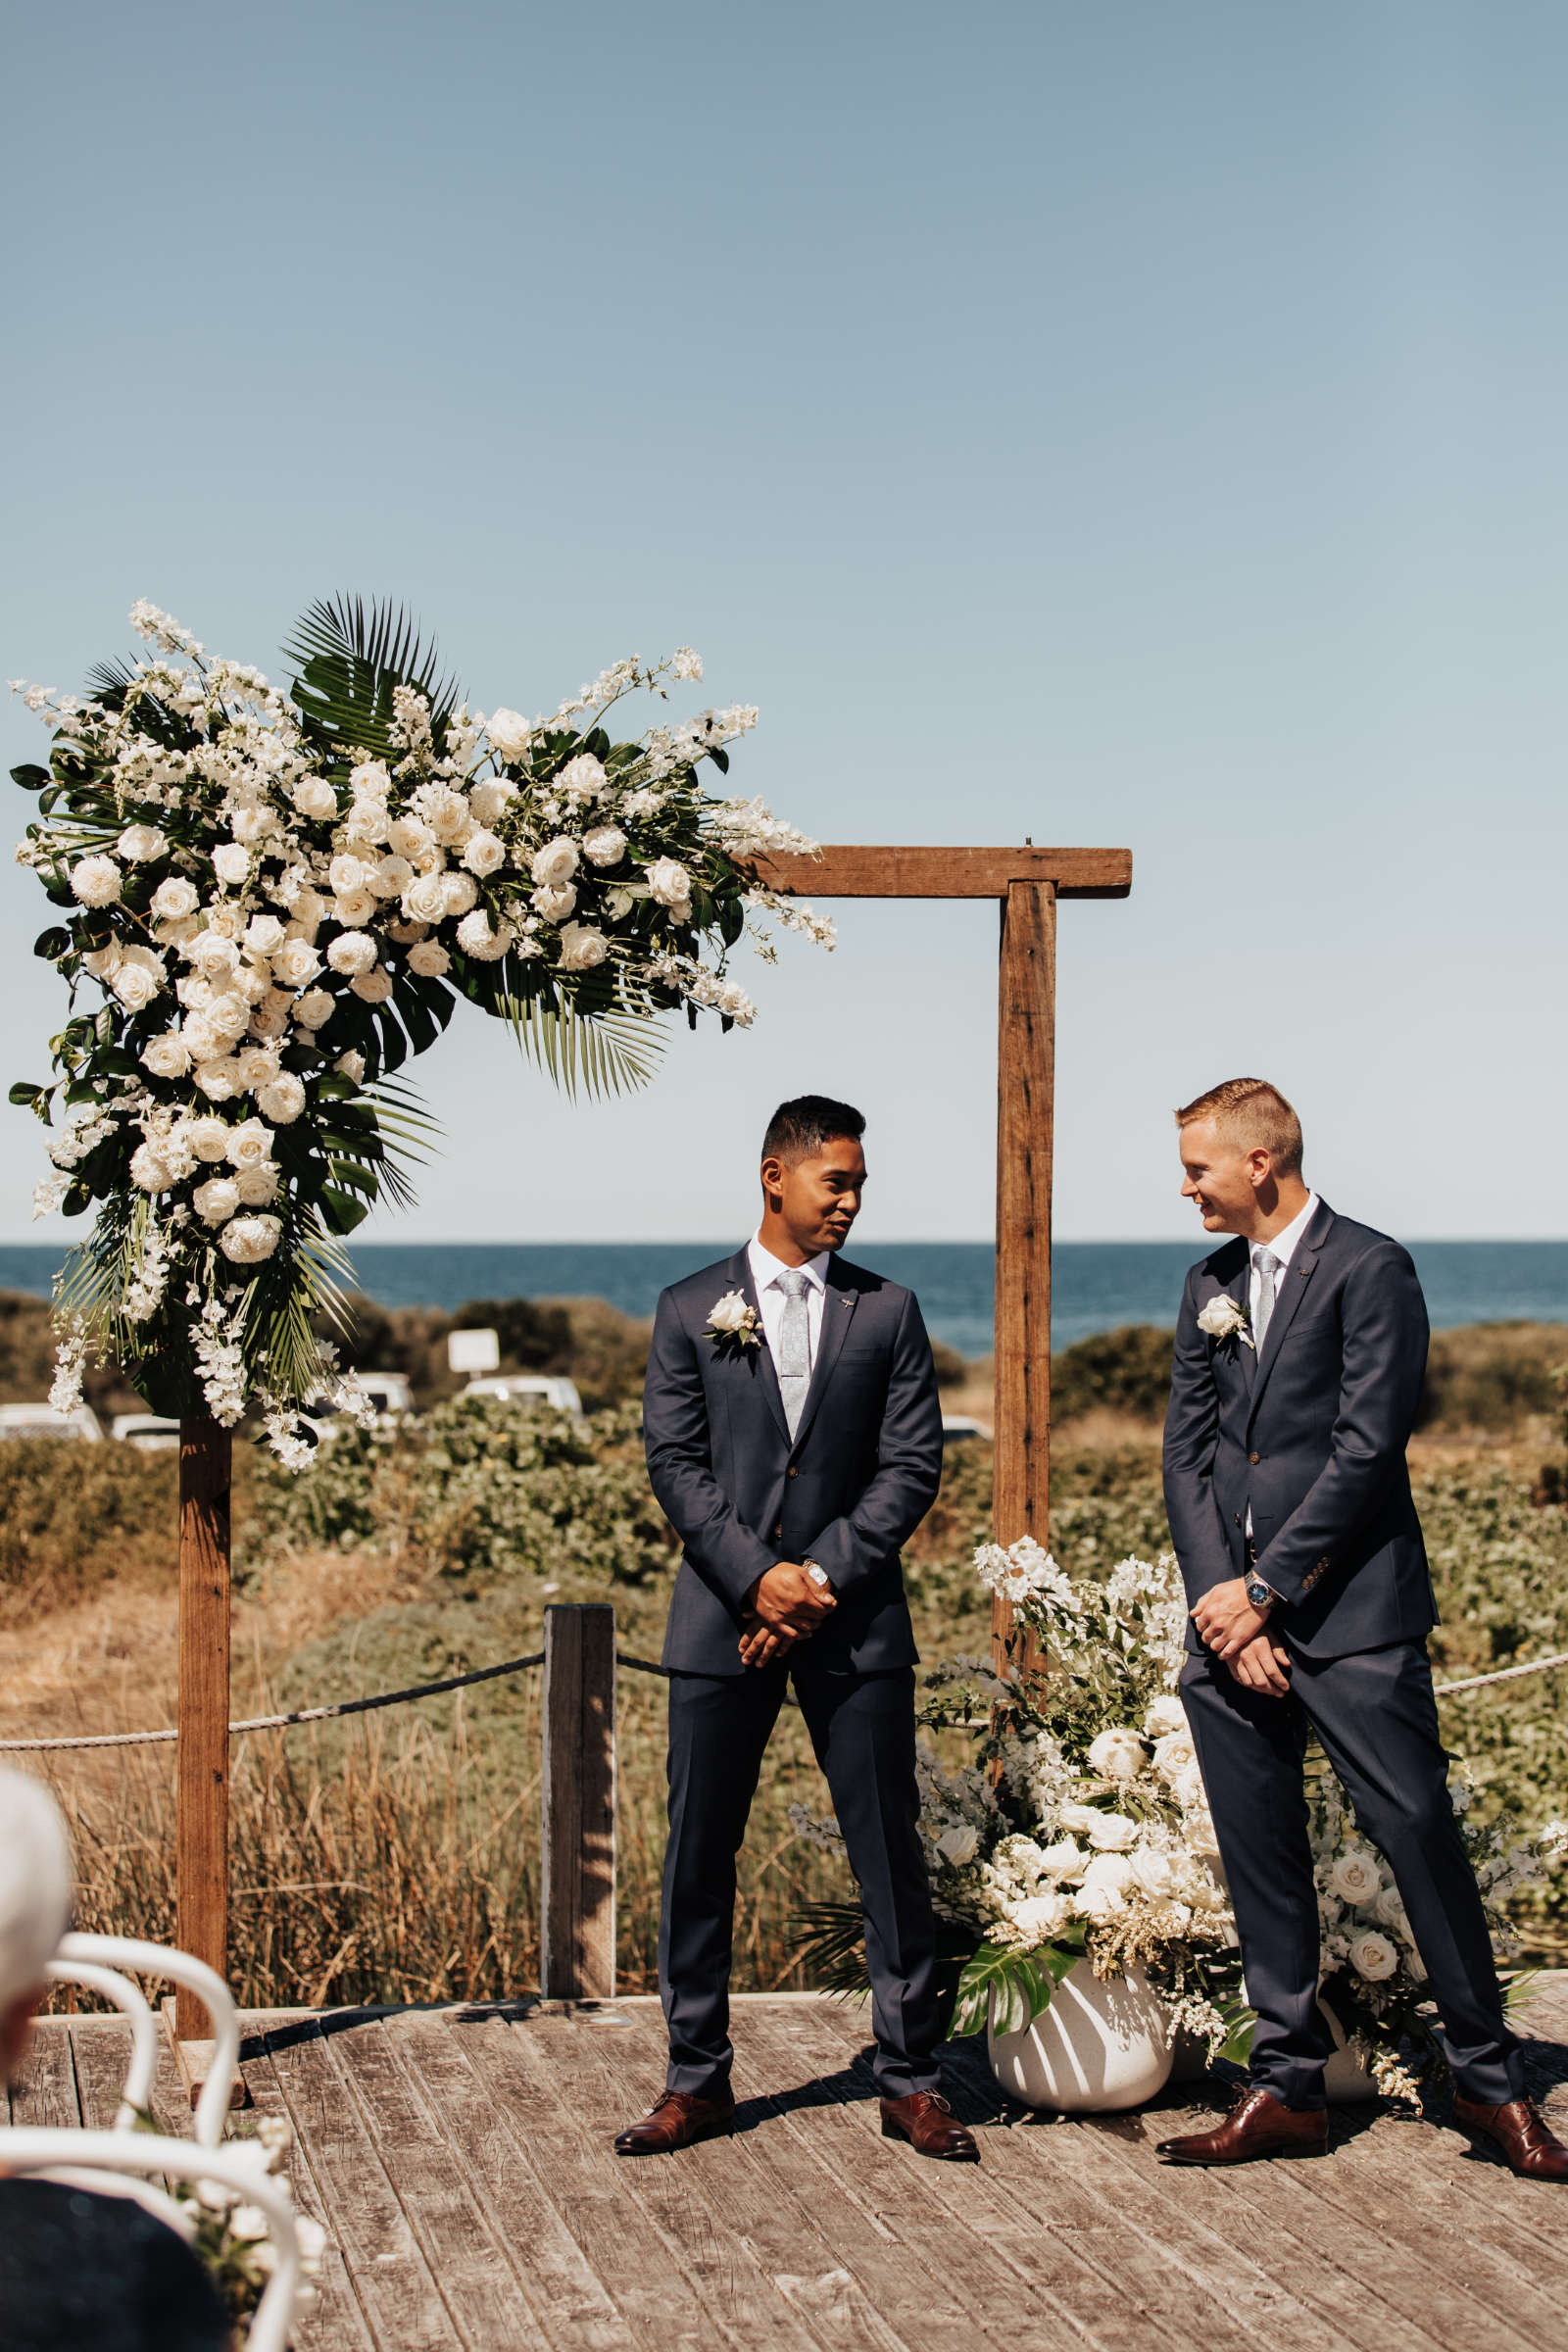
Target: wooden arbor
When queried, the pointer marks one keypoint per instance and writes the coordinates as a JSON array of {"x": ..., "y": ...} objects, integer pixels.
[{"x": 1026, "y": 884}]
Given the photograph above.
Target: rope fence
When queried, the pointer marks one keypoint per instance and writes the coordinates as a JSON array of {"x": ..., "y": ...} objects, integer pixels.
[{"x": 490, "y": 1674}]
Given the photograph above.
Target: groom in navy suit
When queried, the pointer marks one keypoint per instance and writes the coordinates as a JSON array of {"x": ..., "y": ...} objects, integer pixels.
[
  {"x": 794, "y": 1442},
  {"x": 1299, "y": 1355}
]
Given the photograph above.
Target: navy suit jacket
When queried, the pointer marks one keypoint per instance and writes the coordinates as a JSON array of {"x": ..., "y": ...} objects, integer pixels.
[
  {"x": 1310, "y": 1434},
  {"x": 861, "y": 1474}
]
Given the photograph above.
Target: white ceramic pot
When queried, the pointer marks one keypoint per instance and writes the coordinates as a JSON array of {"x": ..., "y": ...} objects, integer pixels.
[{"x": 1097, "y": 2047}]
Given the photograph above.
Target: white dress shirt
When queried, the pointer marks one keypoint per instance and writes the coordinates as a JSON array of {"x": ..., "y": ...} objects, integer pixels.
[
  {"x": 765, "y": 1271},
  {"x": 1284, "y": 1247}
]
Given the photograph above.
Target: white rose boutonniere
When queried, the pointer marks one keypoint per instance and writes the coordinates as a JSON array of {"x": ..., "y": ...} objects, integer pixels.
[
  {"x": 732, "y": 1322},
  {"x": 1225, "y": 1318}
]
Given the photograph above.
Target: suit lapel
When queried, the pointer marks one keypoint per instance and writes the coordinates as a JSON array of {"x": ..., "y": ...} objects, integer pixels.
[
  {"x": 1236, "y": 1288},
  {"x": 766, "y": 1371},
  {"x": 838, "y": 1311},
  {"x": 1291, "y": 1290}
]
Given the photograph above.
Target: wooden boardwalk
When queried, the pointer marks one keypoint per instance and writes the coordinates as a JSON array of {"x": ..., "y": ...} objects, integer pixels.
[{"x": 459, "y": 2161}]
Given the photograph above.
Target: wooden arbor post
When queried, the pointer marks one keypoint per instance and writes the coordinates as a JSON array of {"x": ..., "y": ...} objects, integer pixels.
[
  {"x": 1027, "y": 883},
  {"x": 201, "y": 1803}
]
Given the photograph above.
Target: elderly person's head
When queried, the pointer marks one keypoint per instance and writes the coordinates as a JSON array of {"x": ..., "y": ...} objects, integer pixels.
[{"x": 34, "y": 1904}]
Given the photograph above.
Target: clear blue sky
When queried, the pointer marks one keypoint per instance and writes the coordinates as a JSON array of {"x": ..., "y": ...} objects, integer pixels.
[{"x": 1138, "y": 424}]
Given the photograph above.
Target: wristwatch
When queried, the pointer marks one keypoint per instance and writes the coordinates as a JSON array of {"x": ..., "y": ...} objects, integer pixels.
[
  {"x": 819, "y": 1576},
  {"x": 1262, "y": 1596}
]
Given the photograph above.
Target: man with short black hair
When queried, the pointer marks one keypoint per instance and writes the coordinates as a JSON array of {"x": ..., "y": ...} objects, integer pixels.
[{"x": 795, "y": 1443}]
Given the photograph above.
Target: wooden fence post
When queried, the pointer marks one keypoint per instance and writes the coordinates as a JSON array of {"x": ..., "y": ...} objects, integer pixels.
[
  {"x": 201, "y": 1808},
  {"x": 1026, "y": 1051},
  {"x": 577, "y": 1925}
]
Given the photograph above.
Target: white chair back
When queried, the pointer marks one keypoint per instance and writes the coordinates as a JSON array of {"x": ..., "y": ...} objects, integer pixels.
[
  {"x": 136, "y": 2094},
  {"x": 118, "y": 1952}
]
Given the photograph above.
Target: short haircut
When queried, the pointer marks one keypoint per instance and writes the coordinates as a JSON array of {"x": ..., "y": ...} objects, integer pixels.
[
  {"x": 34, "y": 1885},
  {"x": 1253, "y": 1114},
  {"x": 800, "y": 1128}
]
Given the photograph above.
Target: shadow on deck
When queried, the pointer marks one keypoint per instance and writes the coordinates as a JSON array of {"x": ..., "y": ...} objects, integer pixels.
[{"x": 460, "y": 2160}]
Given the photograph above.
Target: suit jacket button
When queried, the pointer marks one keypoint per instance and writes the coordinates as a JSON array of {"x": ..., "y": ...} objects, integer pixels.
[
  {"x": 1237, "y": 1516},
  {"x": 778, "y": 1532},
  {"x": 793, "y": 1473},
  {"x": 1255, "y": 1457}
]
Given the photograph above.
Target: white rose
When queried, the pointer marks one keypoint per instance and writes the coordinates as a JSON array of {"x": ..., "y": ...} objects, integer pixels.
[
  {"x": 581, "y": 948},
  {"x": 104, "y": 962},
  {"x": 1112, "y": 1833},
  {"x": 314, "y": 1009},
  {"x": 214, "y": 957},
  {"x": 391, "y": 877},
  {"x": 462, "y": 892},
  {"x": 264, "y": 933},
  {"x": 732, "y": 1313},
  {"x": 149, "y": 1170},
  {"x": 1373, "y": 1956},
  {"x": 138, "y": 843},
  {"x": 282, "y": 1100},
  {"x": 167, "y": 1056},
  {"x": 1080, "y": 1819},
  {"x": 1165, "y": 1716},
  {"x": 314, "y": 796},
  {"x": 135, "y": 987},
  {"x": 308, "y": 909},
  {"x": 408, "y": 837},
  {"x": 1097, "y": 1903},
  {"x": 257, "y": 1186},
  {"x": 232, "y": 863},
  {"x": 373, "y": 988},
  {"x": 347, "y": 873},
  {"x": 256, "y": 1066},
  {"x": 429, "y": 959},
  {"x": 217, "y": 1199},
  {"x": 296, "y": 963},
  {"x": 1117, "y": 1754},
  {"x": 250, "y": 1144},
  {"x": 248, "y": 1240},
  {"x": 1175, "y": 1756},
  {"x": 482, "y": 852},
  {"x": 555, "y": 900},
  {"x": 1063, "y": 1859},
  {"x": 446, "y": 812},
  {"x": 175, "y": 899},
  {"x": 1040, "y": 1917},
  {"x": 177, "y": 930},
  {"x": 350, "y": 1066},
  {"x": 354, "y": 907},
  {"x": 1390, "y": 1909},
  {"x": 489, "y": 799},
  {"x": 555, "y": 864},
  {"x": 1152, "y": 1872},
  {"x": 200, "y": 1037},
  {"x": 669, "y": 882},
  {"x": 217, "y": 1080},
  {"x": 351, "y": 952},
  {"x": 208, "y": 1138},
  {"x": 477, "y": 938},
  {"x": 605, "y": 845},
  {"x": 582, "y": 779},
  {"x": 369, "y": 823},
  {"x": 272, "y": 1014},
  {"x": 225, "y": 919},
  {"x": 510, "y": 733},
  {"x": 96, "y": 881},
  {"x": 1355, "y": 1876},
  {"x": 958, "y": 1844},
  {"x": 369, "y": 781},
  {"x": 425, "y": 899}
]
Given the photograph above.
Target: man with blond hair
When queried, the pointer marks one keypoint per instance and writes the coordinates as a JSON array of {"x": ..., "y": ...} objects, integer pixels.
[{"x": 1301, "y": 1349}]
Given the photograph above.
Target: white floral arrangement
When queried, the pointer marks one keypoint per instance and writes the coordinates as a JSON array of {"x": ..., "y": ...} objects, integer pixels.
[
  {"x": 275, "y": 900},
  {"x": 233, "y": 2235},
  {"x": 1224, "y": 1318}
]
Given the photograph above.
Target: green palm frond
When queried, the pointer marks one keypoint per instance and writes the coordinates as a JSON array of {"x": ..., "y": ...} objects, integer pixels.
[
  {"x": 348, "y": 657},
  {"x": 828, "y": 1940},
  {"x": 599, "y": 1049}
]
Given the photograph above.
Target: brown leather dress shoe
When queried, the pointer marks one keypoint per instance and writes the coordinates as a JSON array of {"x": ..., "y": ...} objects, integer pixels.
[
  {"x": 1258, "y": 2124},
  {"x": 1519, "y": 2132},
  {"x": 926, "y": 2121},
  {"x": 677, "y": 2121}
]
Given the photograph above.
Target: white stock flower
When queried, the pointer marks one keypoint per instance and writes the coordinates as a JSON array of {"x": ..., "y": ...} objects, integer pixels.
[
  {"x": 246, "y": 1240},
  {"x": 1373, "y": 1956},
  {"x": 638, "y": 804},
  {"x": 314, "y": 796},
  {"x": 671, "y": 885},
  {"x": 581, "y": 780},
  {"x": 232, "y": 863},
  {"x": 176, "y": 899},
  {"x": 208, "y": 1138},
  {"x": 958, "y": 1844},
  {"x": 555, "y": 900},
  {"x": 1118, "y": 1754},
  {"x": 354, "y": 907},
  {"x": 250, "y": 1143},
  {"x": 605, "y": 845},
  {"x": 150, "y": 1170},
  {"x": 460, "y": 891},
  {"x": 1165, "y": 1716},
  {"x": 352, "y": 951},
  {"x": 688, "y": 663},
  {"x": 251, "y": 825},
  {"x": 282, "y": 1100},
  {"x": 491, "y": 797},
  {"x": 736, "y": 1005},
  {"x": 483, "y": 853},
  {"x": 296, "y": 963},
  {"x": 374, "y": 987},
  {"x": 96, "y": 881},
  {"x": 140, "y": 843},
  {"x": 582, "y": 948},
  {"x": 425, "y": 900},
  {"x": 555, "y": 864},
  {"x": 429, "y": 959},
  {"x": 477, "y": 938},
  {"x": 217, "y": 1199},
  {"x": 258, "y": 1186},
  {"x": 1022, "y": 1571},
  {"x": 510, "y": 733},
  {"x": 350, "y": 1066},
  {"x": 1355, "y": 1876},
  {"x": 314, "y": 1009},
  {"x": 167, "y": 1056}
]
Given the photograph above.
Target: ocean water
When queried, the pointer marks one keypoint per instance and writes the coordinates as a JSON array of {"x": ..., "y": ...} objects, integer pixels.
[{"x": 1095, "y": 1285}]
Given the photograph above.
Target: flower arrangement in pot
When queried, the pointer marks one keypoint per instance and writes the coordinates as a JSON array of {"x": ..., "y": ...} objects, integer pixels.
[{"x": 271, "y": 899}]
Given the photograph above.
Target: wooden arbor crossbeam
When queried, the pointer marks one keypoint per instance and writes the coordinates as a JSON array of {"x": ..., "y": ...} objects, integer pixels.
[{"x": 1027, "y": 883}]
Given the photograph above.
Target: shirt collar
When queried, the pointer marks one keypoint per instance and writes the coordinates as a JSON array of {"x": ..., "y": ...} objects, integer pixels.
[
  {"x": 767, "y": 1269},
  {"x": 1285, "y": 1244}
]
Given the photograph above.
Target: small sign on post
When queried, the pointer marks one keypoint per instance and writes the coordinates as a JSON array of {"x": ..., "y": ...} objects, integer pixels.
[
  {"x": 474, "y": 1351},
  {"x": 577, "y": 1899}
]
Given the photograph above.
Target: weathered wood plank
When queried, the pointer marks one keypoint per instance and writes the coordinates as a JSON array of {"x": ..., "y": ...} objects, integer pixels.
[
  {"x": 201, "y": 1793},
  {"x": 878, "y": 870},
  {"x": 559, "y": 2287},
  {"x": 364, "y": 2214},
  {"x": 330, "y": 2319},
  {"x": 44, "y": 2093},
  {"x": 101, "y": 2051},
  {"x": 1026, "y": 1064},
  {"x": 577, "y": 1930}
]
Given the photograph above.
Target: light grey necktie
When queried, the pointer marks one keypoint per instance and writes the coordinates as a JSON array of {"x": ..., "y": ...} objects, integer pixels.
[
  {"x": 1268, "y": 1267},
  {"x": 794, "y": 1347}
]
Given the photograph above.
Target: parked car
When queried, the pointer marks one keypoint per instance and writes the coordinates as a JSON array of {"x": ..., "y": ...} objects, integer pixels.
[
  {"x": 149, "y": 1433},
  {"x": 530, "y": 1388},
  {"x": 42, "y": 1421},
  {"x": 388, "y": 1392},
  {"x": 956, "y": 1427}
]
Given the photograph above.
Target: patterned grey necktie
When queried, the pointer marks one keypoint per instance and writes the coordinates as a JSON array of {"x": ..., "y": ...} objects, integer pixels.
[
  {"x": 794, "y": 1347},
  {"x": 1268, "y": 1268}
]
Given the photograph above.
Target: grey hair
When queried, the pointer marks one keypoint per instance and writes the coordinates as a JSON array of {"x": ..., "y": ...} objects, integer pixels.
[{"x": 34, "y": 1885}]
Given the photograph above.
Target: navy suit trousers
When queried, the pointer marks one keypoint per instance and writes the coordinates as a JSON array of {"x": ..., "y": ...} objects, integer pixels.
[
  {"x": 863, "y": 1731},
  {"x": 1377, "y": 1719}
]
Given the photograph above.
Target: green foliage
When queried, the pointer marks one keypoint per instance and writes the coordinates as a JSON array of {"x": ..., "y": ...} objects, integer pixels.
[
  {"x": 1011, "y": 1986},
  {"x": 1492, "y": 1377},
  {"x": 1123, "y": 1371}
]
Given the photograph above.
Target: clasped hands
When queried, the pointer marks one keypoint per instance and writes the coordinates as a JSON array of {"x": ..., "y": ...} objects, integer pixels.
[
  {"x": 784, "y": 1606},
  {"x": 1238, "y": 1634}
]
